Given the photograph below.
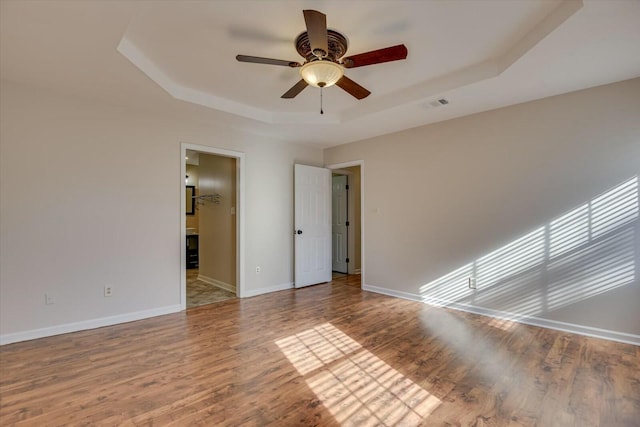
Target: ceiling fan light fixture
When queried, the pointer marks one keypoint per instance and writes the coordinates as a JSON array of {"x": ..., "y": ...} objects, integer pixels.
[{"x": 321, "y": 73}]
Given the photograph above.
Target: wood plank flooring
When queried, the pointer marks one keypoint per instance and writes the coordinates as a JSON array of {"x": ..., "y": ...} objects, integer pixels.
[{"x": 325, "y": 355}]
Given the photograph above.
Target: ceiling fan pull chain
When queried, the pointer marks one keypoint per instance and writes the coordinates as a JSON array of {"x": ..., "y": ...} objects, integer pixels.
[{"x": 321, "y": 112}]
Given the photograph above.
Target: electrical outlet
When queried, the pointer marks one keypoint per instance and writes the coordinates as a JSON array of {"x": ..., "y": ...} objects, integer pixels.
[
  {"x": 258, "y": 270},
  {"x": 472, "y": 282},
  {"x": 49, "y": 299},
  {"x": 108, "y": 291}
]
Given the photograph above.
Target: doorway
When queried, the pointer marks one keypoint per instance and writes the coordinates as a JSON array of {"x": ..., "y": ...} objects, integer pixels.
[
  {"x": 347, "y": 222},
  {"x": 340, "y": 222},
  {"x": 211, "y": 225}
]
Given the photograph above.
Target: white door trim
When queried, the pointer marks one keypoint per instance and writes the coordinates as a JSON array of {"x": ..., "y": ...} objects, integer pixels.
[
  {"x": 240, "y": 235},
  {"x": 362, "y": 209}
]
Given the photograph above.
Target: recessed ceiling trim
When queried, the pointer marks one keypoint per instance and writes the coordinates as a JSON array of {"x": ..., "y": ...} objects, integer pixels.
[
  {"x": 552, "y": 21},
  {"x": 415, "y": 93},
  {"x": 472, "y": 74},
  {"x": 306, "y": 118},
  {"x": 144, "y": 64},
  {"x": 427, "y": 89}
]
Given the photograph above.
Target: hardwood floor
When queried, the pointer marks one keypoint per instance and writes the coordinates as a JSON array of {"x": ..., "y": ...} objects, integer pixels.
[{"x": 325, "y": 355}]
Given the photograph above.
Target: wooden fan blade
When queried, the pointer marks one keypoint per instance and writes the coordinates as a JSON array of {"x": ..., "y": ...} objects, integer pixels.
[
  {"x": 269, "y": 61},
  {"x": 353, "y": 88},
  {"x": 393, "y": 53},
  {"x": 317, "y": 32},
  {"x": 295, "y": 90}
]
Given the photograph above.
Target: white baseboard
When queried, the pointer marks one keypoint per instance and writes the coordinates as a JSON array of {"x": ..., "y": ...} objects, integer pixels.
[
  {"x": 266, "y": 290},
  {"x": 87, "y": 324},
  {"x": 392, "y": 292},
  {"x": 514, "y": 317},
  {"x": 357, "y": 271},
  {"x": 217, "y": 283}
]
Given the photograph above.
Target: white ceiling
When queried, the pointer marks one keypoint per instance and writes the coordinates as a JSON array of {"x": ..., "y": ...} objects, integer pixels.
[{"x": 177, "y": 58}]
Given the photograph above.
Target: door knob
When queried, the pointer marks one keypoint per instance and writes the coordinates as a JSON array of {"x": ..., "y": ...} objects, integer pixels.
[{"x": 299, "y": 232}]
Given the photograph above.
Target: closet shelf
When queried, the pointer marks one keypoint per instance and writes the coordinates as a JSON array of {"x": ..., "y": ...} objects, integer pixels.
[{"x": 207, "y": 198}]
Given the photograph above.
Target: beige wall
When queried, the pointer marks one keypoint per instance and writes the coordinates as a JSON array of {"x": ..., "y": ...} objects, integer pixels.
[
  {"x": 441, "y": 198},
  {"x": 217, "y": 257},
  {"x": 438, "y": 198},
  {"x": 79, "y": 210}
]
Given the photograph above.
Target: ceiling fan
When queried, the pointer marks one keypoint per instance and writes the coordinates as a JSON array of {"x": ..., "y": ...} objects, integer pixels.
[{"x": 324, "y": 65}]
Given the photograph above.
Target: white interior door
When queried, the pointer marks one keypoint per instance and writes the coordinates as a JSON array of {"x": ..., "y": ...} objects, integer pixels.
[
  {"x": 339, "y": 221},
  {"x": 312, "y": 225}
]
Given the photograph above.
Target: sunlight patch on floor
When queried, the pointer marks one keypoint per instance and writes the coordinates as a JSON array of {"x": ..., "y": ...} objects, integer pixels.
[{"x": 356, "y": 386}]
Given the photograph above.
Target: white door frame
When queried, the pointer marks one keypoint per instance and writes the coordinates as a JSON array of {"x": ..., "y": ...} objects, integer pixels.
[
  {"x": 240, "y": 244},
  {"x": 362, "y": 209}
]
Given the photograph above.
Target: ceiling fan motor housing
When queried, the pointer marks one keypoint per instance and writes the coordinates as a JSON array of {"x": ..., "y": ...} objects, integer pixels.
[{"x": 336, "y": 42}]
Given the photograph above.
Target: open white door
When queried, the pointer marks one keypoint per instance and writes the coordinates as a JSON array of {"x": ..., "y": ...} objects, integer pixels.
[{"x": 312, "y": 225}]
